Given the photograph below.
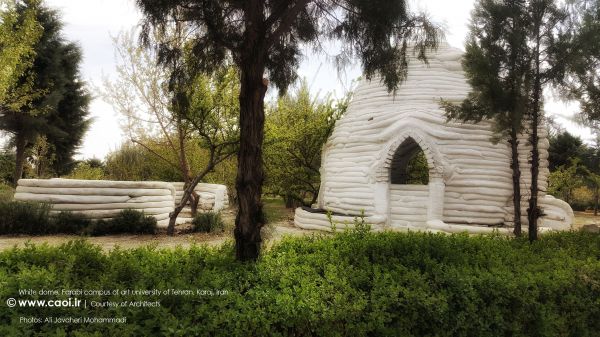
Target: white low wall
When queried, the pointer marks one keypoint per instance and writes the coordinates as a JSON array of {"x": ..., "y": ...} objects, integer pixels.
[
  {"x": 320, "y": 221},
  {"x": 213, "y": 197},
  {"x": 103, "y": 199},
  {"x": 100, "y": 199}
]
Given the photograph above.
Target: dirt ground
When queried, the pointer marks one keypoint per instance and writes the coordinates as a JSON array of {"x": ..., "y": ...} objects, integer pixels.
[
  {"x": 281, "y": 226},
  {"x": 586, "y": 220}
]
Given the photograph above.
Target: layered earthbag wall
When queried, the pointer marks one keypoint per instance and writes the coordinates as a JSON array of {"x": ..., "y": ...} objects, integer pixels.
[
  {"x": 470, "y": 179},
  {"x": 103, "y": 199}
]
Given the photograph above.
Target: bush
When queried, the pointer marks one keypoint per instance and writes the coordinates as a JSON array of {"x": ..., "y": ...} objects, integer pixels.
[
  {"x": 17, "y": 217},
  {"x": 6, "y": 192},
  {"x": 583, "y": 198},
  {"x": 68, "y": 223},
  {"x": 349, "y": 284},
  {"x": 127, "y": 221},
  {"x": 84, "y": 170},
  {"x": 208, "y": 222}
]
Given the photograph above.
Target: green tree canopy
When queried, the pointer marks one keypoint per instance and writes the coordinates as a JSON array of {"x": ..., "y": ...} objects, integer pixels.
[
  {"x": 18, "y": 35},
  {"x": 579, "y": 58},
  {"x": 564, "y": 147},
  {"x": 295, "y": 131},
  {"x": 59, "y": 109},
  {"x": 264, "y": 39}
]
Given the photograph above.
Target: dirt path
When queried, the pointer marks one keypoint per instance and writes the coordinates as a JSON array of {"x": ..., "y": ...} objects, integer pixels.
[
  {"x": 272, "y": 234},
  {"x": 161, "y": 240}
]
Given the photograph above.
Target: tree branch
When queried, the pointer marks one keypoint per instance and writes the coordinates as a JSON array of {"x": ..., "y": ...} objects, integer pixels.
[{"x": 286, "y": 18}]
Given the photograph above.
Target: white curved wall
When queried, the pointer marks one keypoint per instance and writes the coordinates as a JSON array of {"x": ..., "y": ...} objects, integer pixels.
[
  {"x": 100, "y": 199},
  {"x": 213, "y": 197},
  {"x": 473, "y": 176}
]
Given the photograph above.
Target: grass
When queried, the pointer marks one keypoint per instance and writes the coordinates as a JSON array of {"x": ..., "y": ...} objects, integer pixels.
[
  {"x": 6, "y": 192},
  {"x": 275, "y": 210}
]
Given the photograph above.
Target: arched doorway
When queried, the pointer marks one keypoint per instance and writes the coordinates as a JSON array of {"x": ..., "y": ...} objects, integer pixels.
[
  {"x": 409, "y": 165},
  {"x": 408, "y": 184}
]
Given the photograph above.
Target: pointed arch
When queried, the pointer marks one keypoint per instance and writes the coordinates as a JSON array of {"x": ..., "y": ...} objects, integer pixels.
[
  {"x": 404, "y": 157},
  {"x": 434, "y": 160}
]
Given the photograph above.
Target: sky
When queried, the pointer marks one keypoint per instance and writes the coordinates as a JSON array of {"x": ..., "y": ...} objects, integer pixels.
[{"x": 91, "y": 23}]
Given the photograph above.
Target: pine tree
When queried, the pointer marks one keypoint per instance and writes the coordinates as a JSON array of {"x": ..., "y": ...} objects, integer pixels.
[
  {"x": 496, "y": 66},
  {"x": 518, "y": 50},
  {"x": 58, "y": 111},
  {"x": 545, "y": 33},
  {"x": 578, "y": 60}
]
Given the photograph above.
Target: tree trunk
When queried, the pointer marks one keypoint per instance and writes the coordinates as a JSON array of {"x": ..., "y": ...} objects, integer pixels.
[
  {"x": 533, "y": 212},
  {"x": 516, "y": 178},
  {"x": 289, "y": 201},
  {"x": 194, "y": 201},
  {"x": 184, "y": 166},
  {"x": 596, "y": 197},
  {"x": 250, "y": 175},
  {"x": 187, "y": 193},
  {"x": 21, "y": 144}
]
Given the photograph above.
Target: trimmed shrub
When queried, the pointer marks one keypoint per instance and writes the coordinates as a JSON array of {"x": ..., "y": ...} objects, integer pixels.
[
  {"x": 349, "y": 284},
  {"x": 17, "y": 217},
  {"x": 208, "y": 222}
]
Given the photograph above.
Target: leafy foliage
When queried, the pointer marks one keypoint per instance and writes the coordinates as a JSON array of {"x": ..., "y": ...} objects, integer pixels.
[
  {"x": 496, "y": 67},
  {"x": 83, "y": 170},
  {"x": 296, "y": 131},
  {"x": 127, "y": 221},
  {"x": 6, "y": 192},
  {"x": 378, "y": 32},
  {"x": 564, "y": 147},
  {"x": 417, "y": 170},
  {"x": 18, "y": 36},
  {"x": 18, "y": 217},
  {"x": 565, "y": 179},
  {"x": 575, "y": 171},
  {"x": 351, "y": 284},
  {"x": 208, "y": 222},
  {"x": 7, "y": 166},
  {"x": 58, "y": 108},
  {"x": 67, "y": 223},
  {"x": 579, "y": 59}
]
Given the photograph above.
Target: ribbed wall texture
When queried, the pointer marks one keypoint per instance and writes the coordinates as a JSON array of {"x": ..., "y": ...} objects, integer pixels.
[
  {"x": 103, "y": 199},
  {"x": 473, "y": 172},
  {"x": 100, "y": 199},
  {"x": 213, "y": 197}
]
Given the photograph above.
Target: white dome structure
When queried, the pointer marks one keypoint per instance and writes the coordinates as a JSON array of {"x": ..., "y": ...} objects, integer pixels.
[{"x": 470, "y": 180}]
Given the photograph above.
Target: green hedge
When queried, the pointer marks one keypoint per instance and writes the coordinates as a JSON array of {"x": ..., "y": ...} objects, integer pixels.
[{"x": 352, "y": 284}]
